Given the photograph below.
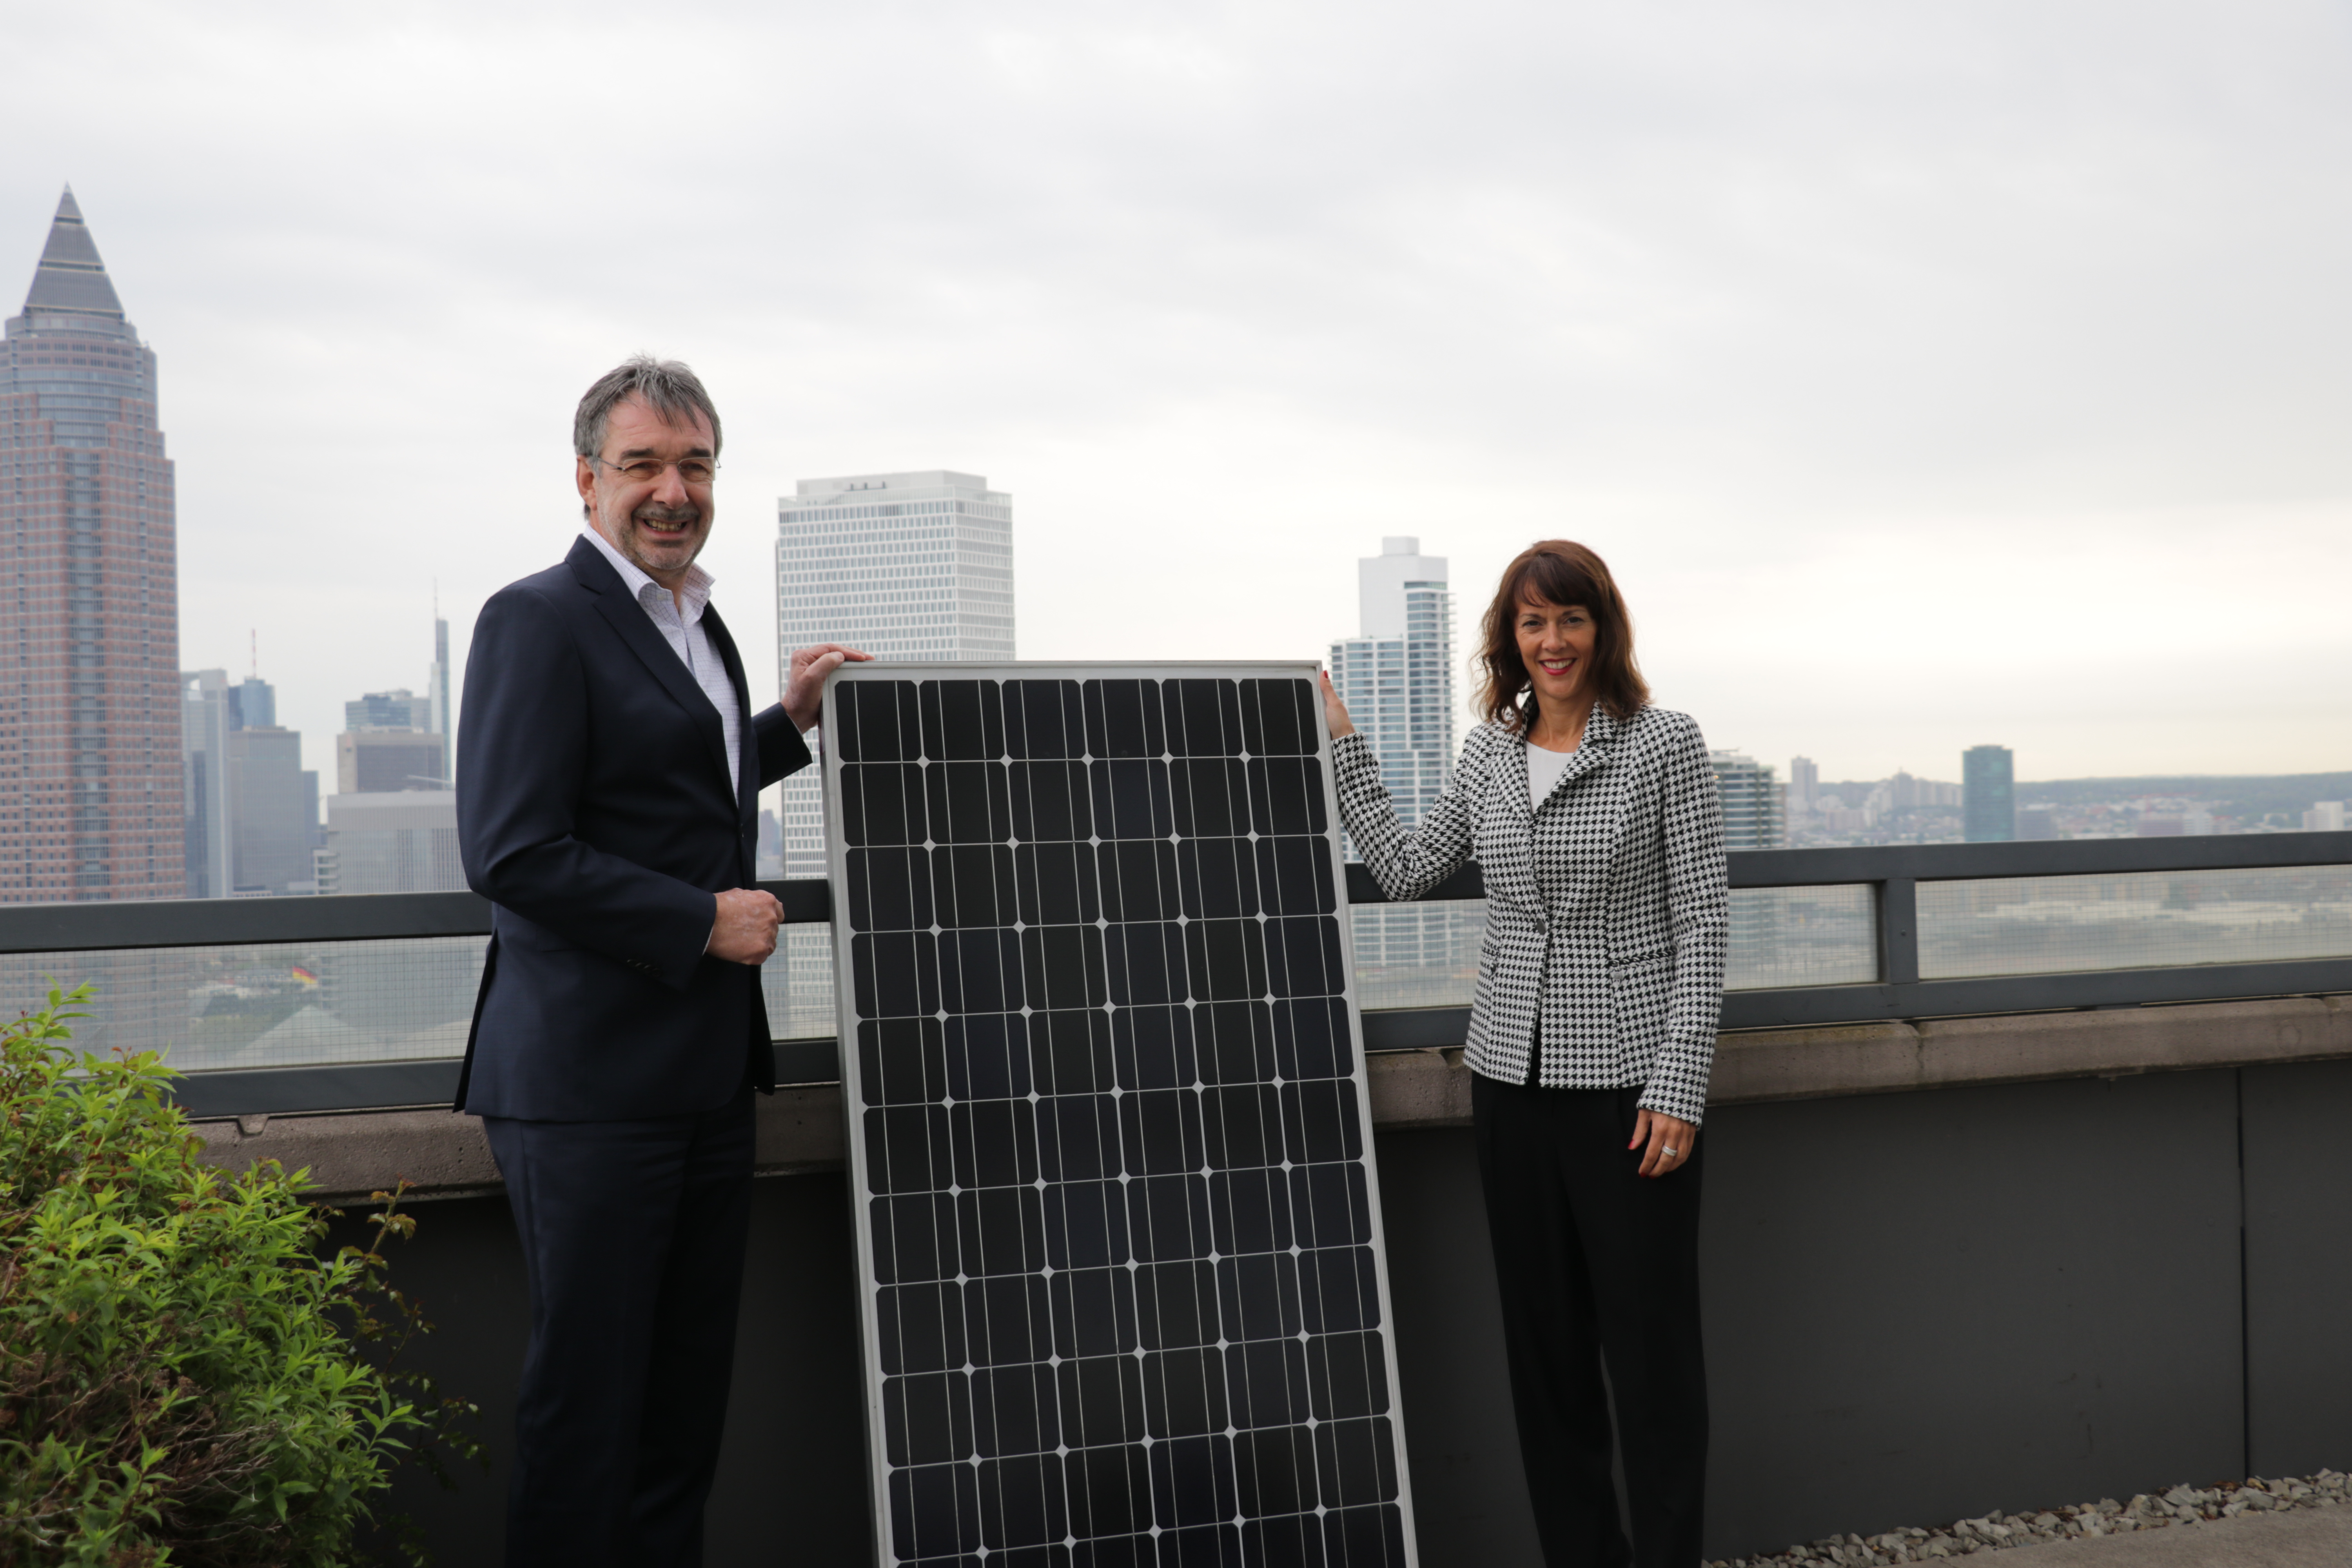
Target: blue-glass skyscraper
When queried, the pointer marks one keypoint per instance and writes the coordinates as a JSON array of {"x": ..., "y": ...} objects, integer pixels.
[{"x": 1988, "y": 794}]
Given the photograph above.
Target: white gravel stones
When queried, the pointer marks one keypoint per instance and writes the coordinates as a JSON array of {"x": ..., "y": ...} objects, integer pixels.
[{"x": 2181, "y": 1505}]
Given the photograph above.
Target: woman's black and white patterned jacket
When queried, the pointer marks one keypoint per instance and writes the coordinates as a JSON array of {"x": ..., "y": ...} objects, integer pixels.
[{"x": 1607, "y": 906}]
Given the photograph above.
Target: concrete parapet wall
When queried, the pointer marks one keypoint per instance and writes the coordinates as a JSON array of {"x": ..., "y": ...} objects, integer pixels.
[
  {"x": 445, "y": 1156},
  {"x": 1942, "y": 1052}
]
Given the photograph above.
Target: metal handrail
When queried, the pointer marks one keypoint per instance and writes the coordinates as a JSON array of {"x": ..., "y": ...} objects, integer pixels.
[
  {"x": 1892, "y": 871},
  {"x": 246, "y": 923},
  {"x": 221, "y": 922}
]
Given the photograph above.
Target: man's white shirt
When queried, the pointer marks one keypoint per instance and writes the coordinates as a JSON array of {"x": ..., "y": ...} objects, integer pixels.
[{"x": 684, "y": 633}]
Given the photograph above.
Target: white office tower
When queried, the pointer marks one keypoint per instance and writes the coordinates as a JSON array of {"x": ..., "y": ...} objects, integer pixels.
[
  {"x": 904, "y": 567},
  {"x": 1396, "y": 676}
]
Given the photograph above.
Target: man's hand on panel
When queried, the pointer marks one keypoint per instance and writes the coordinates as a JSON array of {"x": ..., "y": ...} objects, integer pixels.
[
  {"x": 745, "y": 929},
  {"x": 804, "y": 688}
]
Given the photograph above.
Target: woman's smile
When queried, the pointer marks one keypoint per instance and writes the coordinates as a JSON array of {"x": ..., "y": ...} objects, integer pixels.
[{"x": 1556, "y": 646}]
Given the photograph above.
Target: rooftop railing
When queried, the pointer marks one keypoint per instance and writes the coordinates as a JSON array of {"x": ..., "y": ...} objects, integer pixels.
[{"x": 360, "y": 1002}]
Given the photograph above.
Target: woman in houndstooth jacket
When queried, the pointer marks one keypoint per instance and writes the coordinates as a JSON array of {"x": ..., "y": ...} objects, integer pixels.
[{"x": 1594, "y": 818}]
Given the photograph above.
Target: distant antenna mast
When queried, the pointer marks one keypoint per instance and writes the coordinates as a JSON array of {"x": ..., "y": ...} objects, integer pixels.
[{"x": 255, "y": 634}]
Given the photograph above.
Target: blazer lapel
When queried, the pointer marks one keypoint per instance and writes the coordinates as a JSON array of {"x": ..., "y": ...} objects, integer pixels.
[
  {"x": 1592, "y": 752},
  {"x": 628, "y": 618},
  {"x": 747, "y": 790},
  {"x": 1519, "y": 784}
]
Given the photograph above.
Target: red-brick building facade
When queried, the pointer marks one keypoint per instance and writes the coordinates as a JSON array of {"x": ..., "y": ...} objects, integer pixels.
[{"x": 89, "y": 701}]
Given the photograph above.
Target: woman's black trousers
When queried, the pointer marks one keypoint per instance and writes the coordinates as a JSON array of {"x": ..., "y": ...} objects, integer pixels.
[{"x": 1597, "y": 1264}]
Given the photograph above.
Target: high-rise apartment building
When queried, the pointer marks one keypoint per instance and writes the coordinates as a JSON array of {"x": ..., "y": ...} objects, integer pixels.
[
  {"x": 1396, "y": 676},
  {"x": 906, "y": 566},
  {"x": 1987, "y": 795},
  {"x": 90, "y": 803},
  {"x": 1804, "y": 783},
  {"x": 1752, "y": 813},
  {"x": 1755, "y": 816}
]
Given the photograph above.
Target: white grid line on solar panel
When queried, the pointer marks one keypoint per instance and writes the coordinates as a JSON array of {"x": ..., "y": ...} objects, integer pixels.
[{"x": 962, "y": 888}]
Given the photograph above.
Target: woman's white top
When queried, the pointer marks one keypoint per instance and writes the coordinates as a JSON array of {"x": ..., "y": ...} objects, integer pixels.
[
  {"x": 1607, "y": 906},
  {"x": 1544, "y": 768}
]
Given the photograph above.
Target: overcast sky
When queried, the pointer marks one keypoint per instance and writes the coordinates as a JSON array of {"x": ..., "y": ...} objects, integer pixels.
[{"x": 1931, "y": 374}]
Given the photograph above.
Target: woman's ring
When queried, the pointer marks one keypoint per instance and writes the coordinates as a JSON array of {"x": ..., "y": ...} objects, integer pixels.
[{"x": 1673, "y": 1152}]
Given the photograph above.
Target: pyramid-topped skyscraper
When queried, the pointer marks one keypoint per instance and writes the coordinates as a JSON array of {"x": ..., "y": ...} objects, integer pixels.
[
  {"x": 71, "y": 280},
  {"x": 91, "y": 766}
]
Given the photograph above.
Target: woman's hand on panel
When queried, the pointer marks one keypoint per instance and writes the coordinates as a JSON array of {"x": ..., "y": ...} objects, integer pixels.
[
  {"x": 1335, "y": 712},
  {"x": 1669, "y": 1140}
]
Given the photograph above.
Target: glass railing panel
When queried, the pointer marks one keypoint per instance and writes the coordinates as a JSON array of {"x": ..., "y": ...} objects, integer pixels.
[
  {"x": 311, "y": 1004},
  {"x": 1783, "y": 937},
  {"x": 277, "y": 1004},
  {"x": 798, "y": 984},
  {"x": 297, "y": 1003},
  {"x": 1427, "y": 954},
  {"x": 1419, "y": 954},
  {"x": 2045, "y": 925}
]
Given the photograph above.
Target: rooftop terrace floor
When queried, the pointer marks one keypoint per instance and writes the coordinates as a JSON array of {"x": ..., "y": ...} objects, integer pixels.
[{"x": 2299, "y": 1538}]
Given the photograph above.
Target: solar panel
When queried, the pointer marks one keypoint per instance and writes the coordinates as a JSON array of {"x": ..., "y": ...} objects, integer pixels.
[{"x": 1122, "y": 1290}]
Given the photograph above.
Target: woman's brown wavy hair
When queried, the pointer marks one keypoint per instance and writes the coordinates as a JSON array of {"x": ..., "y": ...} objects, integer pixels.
[{"x": 1557, "y": 572}]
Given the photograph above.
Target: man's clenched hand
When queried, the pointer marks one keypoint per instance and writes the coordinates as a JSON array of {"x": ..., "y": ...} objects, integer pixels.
[{"x": 745, "y": 929}]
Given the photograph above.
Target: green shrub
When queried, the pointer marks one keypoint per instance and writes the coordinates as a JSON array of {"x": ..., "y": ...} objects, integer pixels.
[{"x": 181, "y": 1380}]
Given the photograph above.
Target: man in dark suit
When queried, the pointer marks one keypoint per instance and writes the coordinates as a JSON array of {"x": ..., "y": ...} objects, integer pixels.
[{"x": 607, "y": 770}]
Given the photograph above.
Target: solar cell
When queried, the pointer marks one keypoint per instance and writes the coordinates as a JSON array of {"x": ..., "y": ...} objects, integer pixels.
[{"x": 1121, "y": 1282}]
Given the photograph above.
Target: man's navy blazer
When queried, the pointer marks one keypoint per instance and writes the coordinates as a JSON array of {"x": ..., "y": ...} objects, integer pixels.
[{"x": 594, "y": 810}]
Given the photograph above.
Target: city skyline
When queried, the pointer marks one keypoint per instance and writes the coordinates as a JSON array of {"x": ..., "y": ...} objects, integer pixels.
[{"x": 1811, "y": 327}]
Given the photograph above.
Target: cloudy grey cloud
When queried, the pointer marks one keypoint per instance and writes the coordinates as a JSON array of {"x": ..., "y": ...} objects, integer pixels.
[{"x": 1932, "y": 374}]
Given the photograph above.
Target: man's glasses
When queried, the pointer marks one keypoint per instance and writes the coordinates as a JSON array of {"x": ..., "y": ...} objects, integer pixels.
[{"x": 695, "y": 471}]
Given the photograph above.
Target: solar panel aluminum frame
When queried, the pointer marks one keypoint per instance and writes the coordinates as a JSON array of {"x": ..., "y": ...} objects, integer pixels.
[{"x": 869, "y": 1284}]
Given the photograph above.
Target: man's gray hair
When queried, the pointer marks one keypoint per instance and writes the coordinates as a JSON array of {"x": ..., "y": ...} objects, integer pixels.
[{"x": 664, "y": 386}]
